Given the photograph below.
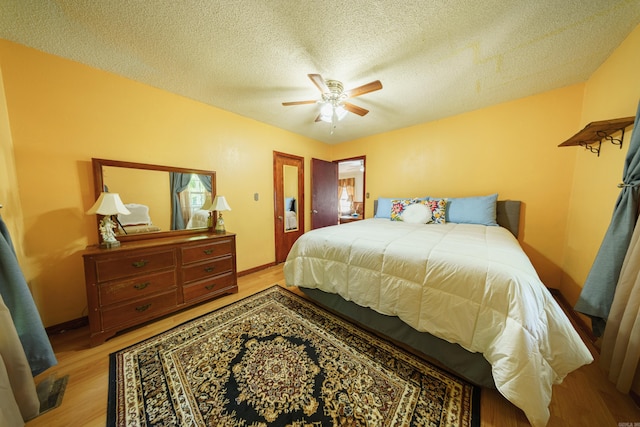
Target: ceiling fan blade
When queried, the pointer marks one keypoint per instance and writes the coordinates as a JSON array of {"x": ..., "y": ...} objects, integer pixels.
[
  {"x": 299, "y": 102},
  {"x": 319, "y": 82},
  {"x": 355, "y": 109},
  {"x": 361, "y": 90}
]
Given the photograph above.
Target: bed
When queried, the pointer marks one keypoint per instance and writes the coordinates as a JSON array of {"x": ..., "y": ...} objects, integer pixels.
[
  {"x": 137, "y": 221},
  {"x": 464, "y": 293},
  {"x": 199, "y": 219},
  {"x": 290, "y": 214}
]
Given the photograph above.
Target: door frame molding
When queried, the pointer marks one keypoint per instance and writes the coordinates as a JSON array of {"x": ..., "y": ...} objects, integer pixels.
[{"x": 284, "y": 240}]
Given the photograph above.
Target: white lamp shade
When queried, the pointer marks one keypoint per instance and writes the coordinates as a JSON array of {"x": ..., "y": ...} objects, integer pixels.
[
  {"x": 108, "y": 204},
  {"x": 220, "y": 204},
  {"x": 326, "y": 112}
]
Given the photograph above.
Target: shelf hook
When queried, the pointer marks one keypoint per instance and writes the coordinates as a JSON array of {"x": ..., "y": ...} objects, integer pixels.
[
  {"x": 591, "y": 146},
  {"x": 608, "y": 137}
]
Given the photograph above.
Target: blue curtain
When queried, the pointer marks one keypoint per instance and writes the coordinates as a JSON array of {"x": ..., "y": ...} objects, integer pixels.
[
  {"x": 206, "y": 182},
  {"x": 18, "y": 299},
  {"x": 598, "y": 290},
  {"x": 179, "y": 183}
]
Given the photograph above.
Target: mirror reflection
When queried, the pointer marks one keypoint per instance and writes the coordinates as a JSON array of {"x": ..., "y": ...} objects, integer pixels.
[
  {"x": 161, "y": 199},
  {"x": 191, "y": 199},
  {"x": 290, "y": 175},
  {"x": 144, "y": 193},
  {"x": 351, "y": 190}
]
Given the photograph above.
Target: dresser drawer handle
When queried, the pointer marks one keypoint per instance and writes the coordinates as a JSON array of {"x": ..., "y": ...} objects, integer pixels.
[
  {"x": 140, "y": 264},
  {"x": 209, "y": 269},
  {"x": 208, "y": 251},
  {"x": 141, "y": 286},
  {"x": 142, "y": 308},
  {"x": 209, "y": 287}
]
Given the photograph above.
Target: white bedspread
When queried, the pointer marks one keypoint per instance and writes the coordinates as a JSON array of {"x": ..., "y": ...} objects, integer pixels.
[
  {"x": 468, "y": 284},
  {"x": 199, "y": 219}
]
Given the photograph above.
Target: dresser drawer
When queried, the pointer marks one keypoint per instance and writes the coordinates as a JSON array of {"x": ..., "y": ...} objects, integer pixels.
[
  {"x": 137, "y": 287},
  {"x": 220, "y": 247},
  {"x": 139, "y": 310},
  {"x": 207, "y": 269},
  {"x": 146, "y": 279},
  {"x": 134, "y": 264},
  {"x": 206, "y": 288}
]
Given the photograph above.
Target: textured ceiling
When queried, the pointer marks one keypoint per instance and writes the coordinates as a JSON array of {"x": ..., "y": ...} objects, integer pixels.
[{"x": 434, "y": 58}]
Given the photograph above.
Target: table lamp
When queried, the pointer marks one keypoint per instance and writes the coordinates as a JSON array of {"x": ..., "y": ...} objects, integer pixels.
[
  {"x": 220, "y": 204},
  {"x": 108, "y": 204}
]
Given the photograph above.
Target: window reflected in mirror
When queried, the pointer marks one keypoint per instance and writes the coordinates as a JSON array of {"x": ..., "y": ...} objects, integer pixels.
[{"x": 290, "y": 175}]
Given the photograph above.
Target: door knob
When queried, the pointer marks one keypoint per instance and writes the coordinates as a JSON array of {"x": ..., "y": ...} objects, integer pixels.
[
  {"x": 314, "y": 211},
  {"x": 280, "y": 217}
]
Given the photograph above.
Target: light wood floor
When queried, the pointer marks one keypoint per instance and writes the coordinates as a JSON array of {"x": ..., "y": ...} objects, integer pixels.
[{"x": 585, "y": 398}]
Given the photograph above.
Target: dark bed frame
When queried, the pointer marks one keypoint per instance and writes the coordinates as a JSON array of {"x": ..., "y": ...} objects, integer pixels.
[{"x": 471, "y": 366}]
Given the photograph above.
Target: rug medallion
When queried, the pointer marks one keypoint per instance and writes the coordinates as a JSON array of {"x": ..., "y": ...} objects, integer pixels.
[{"x": 276, "y": 359}]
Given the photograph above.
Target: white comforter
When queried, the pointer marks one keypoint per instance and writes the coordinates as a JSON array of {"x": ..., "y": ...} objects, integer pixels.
[{"x": 468, "y": 284}]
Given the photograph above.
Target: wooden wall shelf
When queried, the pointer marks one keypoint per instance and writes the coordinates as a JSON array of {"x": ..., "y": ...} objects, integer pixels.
[{"x": 592, "y": 135}]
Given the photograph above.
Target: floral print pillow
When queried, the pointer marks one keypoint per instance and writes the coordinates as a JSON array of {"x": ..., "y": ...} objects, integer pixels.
[
  {"x": 398, "y": 207},
  {"x": 436, "y": 206},
  {"x": 438, "y": 209}
]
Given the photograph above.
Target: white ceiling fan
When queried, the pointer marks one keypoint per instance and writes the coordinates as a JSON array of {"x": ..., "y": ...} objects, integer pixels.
[{"x": 333, "y": 100}]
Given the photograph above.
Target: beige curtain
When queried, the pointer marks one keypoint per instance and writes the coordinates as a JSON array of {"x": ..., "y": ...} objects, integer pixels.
[
  {"x": 18, "y": 397},
  {"x": 348, "y": 184},
  {"x": 620, "y": 352},
  {"x": 185, "y": 206}
]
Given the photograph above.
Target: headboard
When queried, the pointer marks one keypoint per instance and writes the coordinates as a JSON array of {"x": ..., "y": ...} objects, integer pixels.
[{"x": 507, "y": 214}]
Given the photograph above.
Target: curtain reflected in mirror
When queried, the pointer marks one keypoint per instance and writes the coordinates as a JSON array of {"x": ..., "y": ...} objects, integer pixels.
[
  {"x": 190, "y": 198},
  {"x": 290, "y": 174}
]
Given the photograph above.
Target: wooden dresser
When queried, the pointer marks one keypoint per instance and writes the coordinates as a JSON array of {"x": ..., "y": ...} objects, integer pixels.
[{"x": 145, "y": 279}]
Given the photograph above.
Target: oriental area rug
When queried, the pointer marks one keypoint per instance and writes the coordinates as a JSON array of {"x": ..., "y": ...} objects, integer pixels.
[{"x": 276, "y": 359}]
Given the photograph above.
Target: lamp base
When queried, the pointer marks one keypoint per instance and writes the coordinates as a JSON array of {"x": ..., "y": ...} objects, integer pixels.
[
  {"x": 220, "y": 225},
  {"x": 109, "y": 245},
  {"x": 106, "y": 231}
]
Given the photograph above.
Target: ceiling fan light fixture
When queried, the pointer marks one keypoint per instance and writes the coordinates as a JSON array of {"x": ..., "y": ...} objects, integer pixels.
[
  {"x": 326, "y": 112},
  {"x": 331, "y": 112}
]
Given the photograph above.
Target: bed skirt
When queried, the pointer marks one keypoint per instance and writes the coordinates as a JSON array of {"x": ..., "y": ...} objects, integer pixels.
[{"x": 471, "y": 366}]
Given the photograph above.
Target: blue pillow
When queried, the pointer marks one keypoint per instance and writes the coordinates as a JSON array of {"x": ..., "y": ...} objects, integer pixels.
[
  {"x": 384, "y": 205},
  {"x": 473, "y": 210}
]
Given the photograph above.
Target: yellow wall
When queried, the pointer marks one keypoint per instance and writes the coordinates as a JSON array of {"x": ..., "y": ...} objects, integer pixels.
[
  {"x": 613, "y": 91},
  {"x": 61, "y": 114},
  {"x": 55, "y": 115},
  {"x": 510, "y": 149},
  {"x": 9, "y": 195}
]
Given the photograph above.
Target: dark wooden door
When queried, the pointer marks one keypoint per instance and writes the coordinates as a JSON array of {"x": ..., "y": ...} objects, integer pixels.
[
  {"x": 288, "y": 202},
  {"x": 324, "y": 193}
]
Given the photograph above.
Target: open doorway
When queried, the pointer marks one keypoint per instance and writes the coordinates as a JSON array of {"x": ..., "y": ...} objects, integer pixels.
[
  {"x": 351, "y": 189},
  {"x": 334, "y": 201}
]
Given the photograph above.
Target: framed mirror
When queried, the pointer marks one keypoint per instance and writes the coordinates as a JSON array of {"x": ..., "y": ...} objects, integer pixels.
[{"x": 163, "y": 200}]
